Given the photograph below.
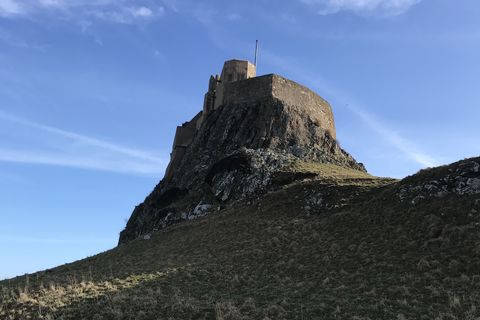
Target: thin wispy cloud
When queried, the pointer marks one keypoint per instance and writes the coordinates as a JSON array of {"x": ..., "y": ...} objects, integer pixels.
[
  {"x": 127, "y": 15},
  {"x": 362, "y": 7},
  {"x": 403, "y": 145},
  {"x": 205, "y": 14},
  {"x": 395, "y": 139},
  {"x": 54, "y": 146},
  {"x": 10, "y": 7},
  {"x": 116, "y": 11},
  {"x": 172, "y": 5}
]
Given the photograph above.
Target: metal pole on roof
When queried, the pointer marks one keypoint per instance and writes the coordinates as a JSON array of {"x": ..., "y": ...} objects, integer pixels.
[{"x": 256, "y": 51}]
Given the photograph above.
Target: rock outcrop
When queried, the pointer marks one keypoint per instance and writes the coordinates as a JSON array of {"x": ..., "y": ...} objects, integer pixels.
[
  {"x": 460, "y": 178},
  {"x": 265, "y": 124}
]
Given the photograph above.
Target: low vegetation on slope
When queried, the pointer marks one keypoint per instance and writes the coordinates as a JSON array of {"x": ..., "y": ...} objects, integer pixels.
[{"x": 335, "y": 245}]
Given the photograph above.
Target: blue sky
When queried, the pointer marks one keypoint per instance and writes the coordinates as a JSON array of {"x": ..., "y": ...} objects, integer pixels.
[{"x": 91, "y": 93}]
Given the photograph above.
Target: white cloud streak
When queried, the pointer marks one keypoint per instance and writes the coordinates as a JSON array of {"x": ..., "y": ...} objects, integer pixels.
[
  {"x": 127, "y": 15},
  {"x": 396, "y": 140},
  {"x": 116, "y": 11},
  {"x": 79, "y": 151},
  {"x": 10, "y": 7},
  {"x": 362, "y": 7},
  {"x": 142, "y": 12}
]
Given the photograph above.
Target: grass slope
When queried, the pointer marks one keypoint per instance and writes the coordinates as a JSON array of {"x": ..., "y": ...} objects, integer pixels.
[{"x": 339, "y": 245}]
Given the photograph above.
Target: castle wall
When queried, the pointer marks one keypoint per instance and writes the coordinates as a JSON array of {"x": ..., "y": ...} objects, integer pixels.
[
  {"x": 283, "y": 89},
  {"x": 233, "y": 71},
  {"x": 295, "y": 94},
  {"x": 247, "y": 90},
  {"x": 175, "y": 159},
  {"x": 219, "y": 96},
  {"x": 183, "y": 138}
]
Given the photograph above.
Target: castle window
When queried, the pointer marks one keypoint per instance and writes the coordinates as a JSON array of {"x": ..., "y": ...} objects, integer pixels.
[
  {"x": 229, "y": 77},
  {"x": 241, "y": 76}
]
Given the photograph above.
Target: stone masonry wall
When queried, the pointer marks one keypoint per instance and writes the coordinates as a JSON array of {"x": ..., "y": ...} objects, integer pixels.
[
  {"x": 295, "y": 94},
  {"x": 290, "y": 92},
  {"x": 245, "y": 91}
]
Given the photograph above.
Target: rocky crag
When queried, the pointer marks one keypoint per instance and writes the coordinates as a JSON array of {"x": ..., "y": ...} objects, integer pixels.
[{"x": 263, "y": 125}]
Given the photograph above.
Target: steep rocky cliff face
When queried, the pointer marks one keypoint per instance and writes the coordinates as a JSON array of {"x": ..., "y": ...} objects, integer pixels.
[{"x": 238, "y": 154}]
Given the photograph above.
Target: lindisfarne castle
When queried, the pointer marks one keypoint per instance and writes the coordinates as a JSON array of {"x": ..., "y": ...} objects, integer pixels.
[
  {"x": 250, "y": 130},
  {"x": 238, "y": 83}
]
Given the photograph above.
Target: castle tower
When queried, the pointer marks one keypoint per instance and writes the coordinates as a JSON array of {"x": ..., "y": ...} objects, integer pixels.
[
  {"x": 233, "y": 70},
  {"x": 209, "y": 101}
]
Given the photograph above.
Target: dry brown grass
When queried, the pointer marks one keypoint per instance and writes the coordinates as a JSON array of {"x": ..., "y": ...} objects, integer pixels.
[{"x": 372, "y": 258}]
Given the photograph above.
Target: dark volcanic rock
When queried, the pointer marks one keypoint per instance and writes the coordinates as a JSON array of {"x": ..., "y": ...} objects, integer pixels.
[{"x": 234, "y": 156}]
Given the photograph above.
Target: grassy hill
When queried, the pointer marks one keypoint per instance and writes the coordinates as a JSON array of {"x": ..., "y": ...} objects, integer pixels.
[{"x": 329, "y": 243}]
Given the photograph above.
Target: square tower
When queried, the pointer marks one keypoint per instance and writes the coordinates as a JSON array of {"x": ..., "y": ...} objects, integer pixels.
[{"x": 235, "y": 70}]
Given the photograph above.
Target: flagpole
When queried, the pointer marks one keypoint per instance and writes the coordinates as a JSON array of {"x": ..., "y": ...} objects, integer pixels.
[{"x": 256, "y": 52}]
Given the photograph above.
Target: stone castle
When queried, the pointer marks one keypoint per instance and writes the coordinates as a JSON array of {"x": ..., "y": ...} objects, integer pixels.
[
  {"x": 251, "y": 130},
  {"x": 238, "y": 83}
]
